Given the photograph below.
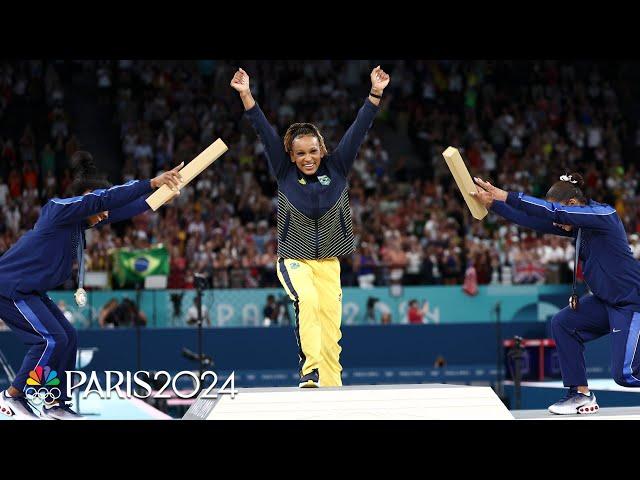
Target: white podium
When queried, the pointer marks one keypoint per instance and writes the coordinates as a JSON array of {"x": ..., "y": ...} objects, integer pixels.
[{"x": 366, "y": 402}]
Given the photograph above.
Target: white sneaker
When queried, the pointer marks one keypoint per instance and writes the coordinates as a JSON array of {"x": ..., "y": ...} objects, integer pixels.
[
  {"x": 17, "y": 408},
  {"x": 575, "y": 402},
  {"x": 60, "y": 412}
]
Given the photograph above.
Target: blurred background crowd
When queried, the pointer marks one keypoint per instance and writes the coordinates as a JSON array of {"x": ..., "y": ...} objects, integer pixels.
[{"x": 520, "y": 124}]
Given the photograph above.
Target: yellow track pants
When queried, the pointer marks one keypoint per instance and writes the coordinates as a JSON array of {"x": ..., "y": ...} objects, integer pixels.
[{"x": 314, "y": 287}]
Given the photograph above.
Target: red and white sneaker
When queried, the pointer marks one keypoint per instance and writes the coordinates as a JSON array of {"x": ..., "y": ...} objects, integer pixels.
[
  {"x": 575, "y": 403},
  {"x": 17, "y": 408}
]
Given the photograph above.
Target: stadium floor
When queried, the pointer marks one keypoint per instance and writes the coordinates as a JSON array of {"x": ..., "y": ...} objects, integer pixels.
[
  {"x": 94, "y": 408},
  {"x": 620, "y": 404}
]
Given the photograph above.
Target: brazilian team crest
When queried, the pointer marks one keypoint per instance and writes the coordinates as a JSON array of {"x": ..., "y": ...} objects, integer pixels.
[
  {"x": 324, "y": 180},
  {"x": 294, "y": 265}
]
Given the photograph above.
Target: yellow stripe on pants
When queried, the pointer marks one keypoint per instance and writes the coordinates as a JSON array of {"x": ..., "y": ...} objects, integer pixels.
[{"x": 314, "y": 287}]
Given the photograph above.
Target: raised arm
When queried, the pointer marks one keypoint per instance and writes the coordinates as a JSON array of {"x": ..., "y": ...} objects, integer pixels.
[
  {"x": 274, "y": 148},
  {"x": 346, "y": 151},
  {"x": 240, "y": 82},
  {"x": 379, "y": 80}
]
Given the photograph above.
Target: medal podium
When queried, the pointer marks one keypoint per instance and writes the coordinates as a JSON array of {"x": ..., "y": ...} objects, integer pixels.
[{"x": 362, "y": 402}]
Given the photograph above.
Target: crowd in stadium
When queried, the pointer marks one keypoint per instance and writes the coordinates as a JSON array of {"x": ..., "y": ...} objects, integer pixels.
[{"x": 520, "y": 130}]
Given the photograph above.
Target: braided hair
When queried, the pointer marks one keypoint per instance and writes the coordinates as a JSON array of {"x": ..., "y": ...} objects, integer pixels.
[
  {"x": 85, "y": 175},
  {"x": 300, "y": 130}
]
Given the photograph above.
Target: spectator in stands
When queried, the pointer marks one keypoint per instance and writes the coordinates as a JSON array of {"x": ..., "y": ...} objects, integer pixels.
[
  {"x": 4, "y": 193},
  {"x": 62, "y": 305},
  {"x": 511, "y": 130},
  {"x": 374, "y": 305},
  {"x": 47, "y": 161},
  {"x": 415, "y": 315},
  {"x": 270, "y": 311},
  {"x": 122, "y": 314},
  {"x": 107, "y": 318},
  {"x": 414, "y": 261},
  {"x": 15, "y": 184},
  {"x": 192, "y": 314}
]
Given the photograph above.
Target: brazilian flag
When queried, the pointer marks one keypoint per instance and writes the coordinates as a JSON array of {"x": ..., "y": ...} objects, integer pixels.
[{"x": 131, "y": 266}]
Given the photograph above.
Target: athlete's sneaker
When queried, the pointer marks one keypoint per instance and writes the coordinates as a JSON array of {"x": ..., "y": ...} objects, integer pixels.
[
  {"x": 61, "y": 411},
  {"x": 310, "y": 380},
  {"x": 575, "y": 402},
  {"x": 17, "y": 408}
]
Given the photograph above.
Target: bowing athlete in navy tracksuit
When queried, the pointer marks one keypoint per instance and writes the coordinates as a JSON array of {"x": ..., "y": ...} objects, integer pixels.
[
  {"x": 42, "y": 260},
  {"x": 610, "y": 271}
]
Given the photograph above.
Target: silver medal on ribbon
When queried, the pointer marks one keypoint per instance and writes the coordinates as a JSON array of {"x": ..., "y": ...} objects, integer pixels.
[{"x": 81, "y": 297}]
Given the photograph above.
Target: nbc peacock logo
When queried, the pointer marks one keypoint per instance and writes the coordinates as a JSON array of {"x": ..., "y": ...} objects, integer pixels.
[{"x": 41, "y": 386}]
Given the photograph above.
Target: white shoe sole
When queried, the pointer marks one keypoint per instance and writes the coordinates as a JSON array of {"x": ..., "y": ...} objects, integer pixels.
[
  {"x": 308, "y": 384},
  {"x": 584, "y": 410},
  {"x": 8, "y": 412}
]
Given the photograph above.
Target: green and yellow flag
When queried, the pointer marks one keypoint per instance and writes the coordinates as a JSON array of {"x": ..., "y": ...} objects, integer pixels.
[{"x": 131, "y": 266}]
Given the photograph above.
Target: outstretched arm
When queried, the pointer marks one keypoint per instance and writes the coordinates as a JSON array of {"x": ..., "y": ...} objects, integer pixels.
[
  {"x": 600, "y": 217},
  {"x": 541, "y": 225},
  {"x": 274, "y": 148},
  {"x": 77, "y": 209},
  {"x": 140, "y": 205},
  {"x": 486, "y": 195},
  {"x": 346, "y": 151},
  {"x": 130, "y": 210}
]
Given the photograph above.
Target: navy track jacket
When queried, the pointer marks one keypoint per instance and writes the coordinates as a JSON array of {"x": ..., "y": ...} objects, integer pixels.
[
  {"x": 610, "y": 270},
  {"x": 314, "y": 215},
  {"x": 42, "y": 258}
]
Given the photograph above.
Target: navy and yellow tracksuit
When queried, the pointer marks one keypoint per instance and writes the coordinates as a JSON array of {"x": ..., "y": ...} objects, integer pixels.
[
  {"x": 42, "y": 260},
  {"x": 611, "y": 273},
  {"x": 314, "y": 229}
]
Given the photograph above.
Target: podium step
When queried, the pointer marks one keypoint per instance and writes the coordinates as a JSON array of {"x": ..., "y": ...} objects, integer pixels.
[{"x": 363, "y": 402}]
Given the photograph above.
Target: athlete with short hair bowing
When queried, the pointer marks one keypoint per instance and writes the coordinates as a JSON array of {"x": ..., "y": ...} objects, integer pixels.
[
  {"x": 610, "y": 271},
  {"x": 42, "y": 260}
]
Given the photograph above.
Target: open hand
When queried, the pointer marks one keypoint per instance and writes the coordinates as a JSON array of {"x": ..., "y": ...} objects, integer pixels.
[
  {"x": 484, "y": 197},
  {"x": 487, "y": 193}
]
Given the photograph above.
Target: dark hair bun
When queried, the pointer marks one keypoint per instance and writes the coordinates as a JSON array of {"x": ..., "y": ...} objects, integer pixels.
[
  {"x": 82, "y": 164},
  {"x": 578, "y": 177}
]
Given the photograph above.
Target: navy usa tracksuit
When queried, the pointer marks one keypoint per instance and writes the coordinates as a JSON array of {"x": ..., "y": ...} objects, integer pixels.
[
  {"x": 42, "y": 260},
  {"x": 610, "y": 272}
]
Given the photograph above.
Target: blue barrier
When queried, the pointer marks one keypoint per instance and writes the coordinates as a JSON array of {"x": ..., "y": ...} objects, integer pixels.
[
  {"x": 268, "y": 356},
  {"x": 243, "y": 307},
  {"x": 275, "y": 348}
]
